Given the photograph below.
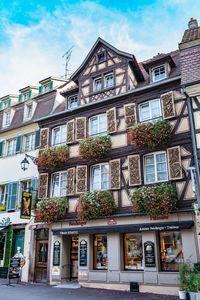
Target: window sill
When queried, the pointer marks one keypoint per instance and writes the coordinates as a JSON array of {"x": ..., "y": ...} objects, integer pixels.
[{"x": 154, "y": 182}]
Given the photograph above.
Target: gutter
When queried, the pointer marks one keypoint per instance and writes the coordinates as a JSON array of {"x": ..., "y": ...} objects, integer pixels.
[
  {"x": 194, "y": 146},
  {"x": 132, "y": 92}
]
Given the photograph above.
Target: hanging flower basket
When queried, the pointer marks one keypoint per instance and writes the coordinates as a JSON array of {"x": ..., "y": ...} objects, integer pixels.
[
  {"x": 93, "y": 205},
  {"x": 157, "y": 200},
  {"x": 94, "y": 148},
  {"x": 51, "y": 210},
  {"x": 150, "y": 135},
  {"x": 52, "y": 157}
]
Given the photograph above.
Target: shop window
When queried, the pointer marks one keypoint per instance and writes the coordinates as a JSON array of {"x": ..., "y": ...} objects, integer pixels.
[
  {"x": 100, "y": 177},
  {"x": 171, "y": 250},
  {"x": 155, "y": 167},
  {"x": 100, "y": 252},
  {"x": 98, "y": 125},
  {"x": 59, "y": 182},
  {"x": 59, "y": 135},
  {"x": 133, "y": 251},
  {"x": 150, "y": 111}
]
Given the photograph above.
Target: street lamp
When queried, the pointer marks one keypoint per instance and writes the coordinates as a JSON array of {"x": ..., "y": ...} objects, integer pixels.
[{"x": 25, "y": 163}]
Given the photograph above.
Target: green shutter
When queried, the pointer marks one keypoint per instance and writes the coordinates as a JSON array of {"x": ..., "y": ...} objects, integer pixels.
[
  {"x": 19, "y": 144},
  {"x": 37, "y": 138},
  {"x": 34, "y": 187},
  {"x": 40, "y": 89},
  {"x": 50, "y": 85},
  {"x": 12, "y": 195},
  {"x": 9, "y": 102},
  {"x": 0, "y": 105},
  {"x": 29, "y": 94},
  {"x": 20, "y": 98},
  {"x": 1, "y": 148}
]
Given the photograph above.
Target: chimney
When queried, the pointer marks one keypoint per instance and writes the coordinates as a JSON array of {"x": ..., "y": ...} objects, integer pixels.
[
  {"x": 190, "y": 53},
  {"x": 192, "y": 23}
]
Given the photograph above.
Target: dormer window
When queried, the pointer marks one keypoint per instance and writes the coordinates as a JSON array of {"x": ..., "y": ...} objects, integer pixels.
[
  {"x": 158, "y": 73},
  {"x": 7, "y": 118},
  {"x": 97, "y": 84},
  {"x": 72, "y": 102},
  {"x": 5, "y": 104},
  {"x": 46, "y": 88},
  {"x": 26, "y": 96},
  {"x": 29, "y": 111}
]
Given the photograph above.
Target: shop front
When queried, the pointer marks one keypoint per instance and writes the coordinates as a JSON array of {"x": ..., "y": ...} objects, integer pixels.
[{"x": 149, "y": 253}]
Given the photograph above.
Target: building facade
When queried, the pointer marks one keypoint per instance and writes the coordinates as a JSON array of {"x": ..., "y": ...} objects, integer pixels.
[{"x": 110, "y": 94}]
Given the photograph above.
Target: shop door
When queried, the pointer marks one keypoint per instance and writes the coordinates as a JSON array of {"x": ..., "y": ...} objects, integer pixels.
[
  {"x": 41, "y": 257},
  {"x": 74, "y": 258}
]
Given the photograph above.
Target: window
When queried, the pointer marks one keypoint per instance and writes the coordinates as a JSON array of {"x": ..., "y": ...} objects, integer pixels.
[
  {"x": 7, "y": 118},
  {"x": 3, "y": 194},
  {"x": 171, "y": 250},
  {"x": 46, "y": 88},
  {"x": 109, "y": 80},
  {"x": 97, "y": 84},
  {"x": 150, "y": 111},
  {"x": 159, "y": 73},
  {"x": 26, "y": 96},
  {"x": 155, "y": 167},
  {"x": 98, "y": 125},
  {"x": 100, "y": 177},
  {"x": 101, "y": 57},
  {"x": 11, "y": 150},
  {"x": 133, "y": 251},
  {"x": 59, "y": 181},
  {"x": 5, "y": 104},
  {"x": 30, "y": 142},
  {"x": 29, "y": 110},
  {"x": 100, "y": 252},
  {"x": 26, "y": 186},
  {"x": 72, "y": 102},
  {"x": 59, "y": 135}
]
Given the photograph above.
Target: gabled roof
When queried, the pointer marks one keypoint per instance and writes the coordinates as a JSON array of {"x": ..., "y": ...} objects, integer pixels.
[{"x": 133, "y": 62}]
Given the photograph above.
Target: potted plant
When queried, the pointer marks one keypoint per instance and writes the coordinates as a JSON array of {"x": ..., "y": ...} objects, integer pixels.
[
  {"x": 193, "y": 285},
  {"x": 183, "y": 272}
]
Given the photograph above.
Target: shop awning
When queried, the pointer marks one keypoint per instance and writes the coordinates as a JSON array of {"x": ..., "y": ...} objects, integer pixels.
[{"x": 167, "y": 226}]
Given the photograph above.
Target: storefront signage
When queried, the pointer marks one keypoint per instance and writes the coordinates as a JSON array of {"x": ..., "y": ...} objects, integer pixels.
[
  {"x": 56, "y": 271},
  {"x": 76, "y": 223},
  {"x": 159, "y": 228},
  {"x": 25, "y": 212},
  {"x": 149, "y": 254},
  {"x": 112, "y": 222},
  {"x": 14, "y": 269},
  {"x": 83, "y": 253},
  {"x": 56, "y": 253}
]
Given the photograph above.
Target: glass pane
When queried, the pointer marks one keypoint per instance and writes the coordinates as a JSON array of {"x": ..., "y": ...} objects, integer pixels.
[
  {"x": 155, "y": 108},
  {"x": 159, "y": 73},
  {"x": 109, "y": 80},
  {"x": 133, "y": 251},
  {"x": 96, "y": 180},
  {"x": 45, "y": 252},
  {"x": 144, "y": 112},
  {"x": 27, "y": 147},
  {"x": 40, "y": 251},
  {"x": 63, "y": 135},
  {"x": 56, "y": 136},
  {"x": 102, "y": 124},
  {"x": 93, "y": 126},
  {"x": 161, "y": 167},
  {"x": 55, "y": 185},
  {"x": 160, "y": 157},
  {"x": 63, "y": 184},
  {"x": 162, "y": 176},
  {"x": 97, "y": 84},
  {"x": 104, "y": 177},
  {"x": 171, "y": 250},
  {"x": 100, "y": 252},
  {"x": 149, "y": 160}
]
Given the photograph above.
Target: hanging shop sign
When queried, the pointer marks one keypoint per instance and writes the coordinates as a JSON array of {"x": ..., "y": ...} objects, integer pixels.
[
  {"x": 14, "y": 268},
  {"x": 83, "y": 253},
  {"x": 26, "y": 203},
  {"x": 56, "y": 253},
  {"x": 149, "y": 253}
]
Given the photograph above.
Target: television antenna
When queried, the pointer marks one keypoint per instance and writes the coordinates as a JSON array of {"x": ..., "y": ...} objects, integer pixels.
[{"x": 67, "y": 56}]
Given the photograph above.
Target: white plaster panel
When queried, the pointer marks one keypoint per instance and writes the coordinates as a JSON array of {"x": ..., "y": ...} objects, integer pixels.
[
  {"x": 197, "y": 119},
  {"x": 72, "y": 205},
  {"x": 101, "y": 66},
  {"x": 131, "y": 276},
  {"x": 113, "y": 276},
  {"x": 119, "y": 79},
  {"x": 198, "y": 140},
  {"x": 183, "y": 126},
  {"x": 119, "y": 141},
  {"x": 73, "y": 151},
  {"x": 85, "y": 91},
  {"x": 125, "y": 199},
  {"x": 122, "y": 125}
]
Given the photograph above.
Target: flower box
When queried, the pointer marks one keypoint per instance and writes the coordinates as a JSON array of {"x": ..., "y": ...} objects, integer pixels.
[
  {"x": 156, "y": 200},
  {"x": 94, "y": 148},
  {"x": 93, "y": 205},
  {"x": 51, "y": 210},
  {"x": 52, "y": 157},
  {"x": 150, "y": 135}
]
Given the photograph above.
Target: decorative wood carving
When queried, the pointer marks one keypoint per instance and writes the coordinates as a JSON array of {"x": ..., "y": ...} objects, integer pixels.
[
  {"x": 174, "y": 163},
  {"x": 70, "y": 132},
  {"x": 44, "y": 138},
  {"x": 134, "y": 170},
  {"x": 168, "y": 105},
  {"x": 70, "y": 181},
  {"x": 111, "y": 120},
  {"x": 80, "y": 128},
  {"x": 115, "y": 176},
  {"x": 130, "y": 115},
  {"x": 43, "y": 185},
  {"x": 81, "y": 179}
]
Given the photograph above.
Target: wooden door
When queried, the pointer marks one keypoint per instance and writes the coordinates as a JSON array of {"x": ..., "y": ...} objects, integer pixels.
[{"x": 41, "y": 257}]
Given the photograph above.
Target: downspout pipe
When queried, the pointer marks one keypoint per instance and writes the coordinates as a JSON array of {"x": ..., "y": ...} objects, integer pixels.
[{"x": 194, "y": 147}]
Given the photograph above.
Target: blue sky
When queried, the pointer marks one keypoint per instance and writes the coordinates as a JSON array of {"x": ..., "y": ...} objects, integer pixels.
[{"x": 35, "y": 34}]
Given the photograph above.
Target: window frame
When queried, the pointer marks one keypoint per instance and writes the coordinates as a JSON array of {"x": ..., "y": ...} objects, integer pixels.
[
  {"x": 91, "y": 178},
  {"x": 5, "y": 195},
  {"x": 107, "y": 75},
  {"x": 94, "y": 86},
  {"x": 7, "y": 121},
  {"x": 25, "y": 96},
  {"x": 51, "y": 189},
  {"x": 69, "y": 98},
  {"x": 153, "y": 72},
  {"x": 29, "y": 106},
  {"x": 124, "y": 255},
  {"x": 94, "y": 267},
  {"x": 155, "y": 167},
  {"x": 98, "y": 118},
  {"x": 14, "y": 140},
  {"x": 60, "y": 135},
  {"x": 32, "y": 142},
  {"x": 150, "y": 111}
]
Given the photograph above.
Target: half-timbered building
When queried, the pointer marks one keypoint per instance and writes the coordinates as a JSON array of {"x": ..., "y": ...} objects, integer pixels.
[{"x": 109, "y": 94}]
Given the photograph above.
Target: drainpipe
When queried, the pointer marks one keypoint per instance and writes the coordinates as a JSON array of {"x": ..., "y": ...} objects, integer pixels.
[{"x": 194, "y": 148}]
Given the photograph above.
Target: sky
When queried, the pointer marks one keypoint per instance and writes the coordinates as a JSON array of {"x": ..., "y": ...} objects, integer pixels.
[{"x": 35, "y": 34}]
